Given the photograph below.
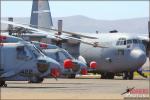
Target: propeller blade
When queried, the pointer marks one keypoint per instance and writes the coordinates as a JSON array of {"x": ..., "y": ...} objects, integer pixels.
[
  {"x": 59, "y": 27},
  {"x": 149, "y": 42},
  {"x": 24, "y": 26},
  {"x": 73, "y": 33}
]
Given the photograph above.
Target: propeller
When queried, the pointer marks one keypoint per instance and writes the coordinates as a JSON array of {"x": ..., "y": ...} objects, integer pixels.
[{"x": 58, "y": 41}]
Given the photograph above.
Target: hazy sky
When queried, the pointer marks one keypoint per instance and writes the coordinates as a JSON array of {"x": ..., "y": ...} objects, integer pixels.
[{"x": 108, "y": 10}]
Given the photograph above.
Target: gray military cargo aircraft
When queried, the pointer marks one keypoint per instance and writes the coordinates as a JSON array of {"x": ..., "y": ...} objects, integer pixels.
[{"x": 22, "y": 61}]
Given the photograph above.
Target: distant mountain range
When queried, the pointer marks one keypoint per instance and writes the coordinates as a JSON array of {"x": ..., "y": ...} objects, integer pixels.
[{"x": 80, "y": 23}]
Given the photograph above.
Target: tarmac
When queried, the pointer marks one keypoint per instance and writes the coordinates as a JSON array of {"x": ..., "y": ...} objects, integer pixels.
[{"x": 85, "y": 87}]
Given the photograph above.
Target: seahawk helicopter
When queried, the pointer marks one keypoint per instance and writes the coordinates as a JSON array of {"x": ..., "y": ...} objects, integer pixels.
[
  {"x": 22, "y": 61},
  {"x": 62, "y": 56}
]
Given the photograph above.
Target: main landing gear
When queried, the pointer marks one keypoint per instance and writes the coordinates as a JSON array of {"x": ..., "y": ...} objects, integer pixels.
[
  {"x": 36, "y": 80},
  {"x": 128, "y": 75},
  {"x": 107, "y": 75},
  {"x": 3, "y": 84},
  {"x": 72, "y": 76}
]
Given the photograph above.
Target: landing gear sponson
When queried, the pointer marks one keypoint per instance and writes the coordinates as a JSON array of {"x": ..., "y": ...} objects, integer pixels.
[{"x": 128, "y": 75}]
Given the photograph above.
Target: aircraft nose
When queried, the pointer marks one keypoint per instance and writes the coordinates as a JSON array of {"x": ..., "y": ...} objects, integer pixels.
[
  {"x": 139, "y": 57},
  {"x": 55, "y": 69}
]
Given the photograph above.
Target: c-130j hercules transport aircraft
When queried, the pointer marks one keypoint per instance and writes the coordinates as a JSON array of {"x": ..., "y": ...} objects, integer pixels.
[{"x": 114, "y": 53}]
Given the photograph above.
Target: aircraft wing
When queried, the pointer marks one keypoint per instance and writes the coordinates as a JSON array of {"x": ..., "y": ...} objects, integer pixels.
[
  {"x": 87, "y": 41},
  {"x": 77, "y": 34},
  {"x": 52, "y": 34}
]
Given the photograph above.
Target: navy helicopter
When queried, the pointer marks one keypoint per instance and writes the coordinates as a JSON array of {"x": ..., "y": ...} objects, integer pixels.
[
  {"x": 62, "y": 56},
  {"x": 22, "y": 61}
]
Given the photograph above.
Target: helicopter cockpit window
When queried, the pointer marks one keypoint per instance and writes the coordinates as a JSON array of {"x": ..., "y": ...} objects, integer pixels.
[
  {"x": 62, "y": 57},
  {"x": 23, "y": 53},
  {"x": 68, "y": 56},
  {"x": 36, "y": 52},
  {"x": 121, "y": 41}
]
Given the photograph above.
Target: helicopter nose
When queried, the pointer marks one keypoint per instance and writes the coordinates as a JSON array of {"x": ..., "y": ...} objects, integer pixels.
[
  {"x": 139, "y": 57},
  {"x": 55, "y": 69}
]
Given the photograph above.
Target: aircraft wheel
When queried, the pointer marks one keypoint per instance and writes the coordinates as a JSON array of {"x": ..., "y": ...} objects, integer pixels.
[
  {"x": 110, "y": 75},
  {"x": 36, "y": 80},
  {"x": 2, "y": 83},
  {"x": 130, "y": 75},
  {"x": 125, "y": 75},
  {"x": 40, "y": 80},
  {"x": 103, "y": 76},
  {"x": 5, "y": 85},
  {"x": 72, "y": 76},
  {"x": 107, "y": 76}
]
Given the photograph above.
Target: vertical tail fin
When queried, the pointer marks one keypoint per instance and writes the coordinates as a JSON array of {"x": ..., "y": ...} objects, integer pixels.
[{"x": 41, "y": 15}]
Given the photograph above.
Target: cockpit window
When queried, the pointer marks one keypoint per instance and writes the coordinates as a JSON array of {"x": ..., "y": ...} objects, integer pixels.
[
  {"x": 129, "y": 41},
  {"x": 121, "y": 41},
  {"x": 135, "y": 41}
]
